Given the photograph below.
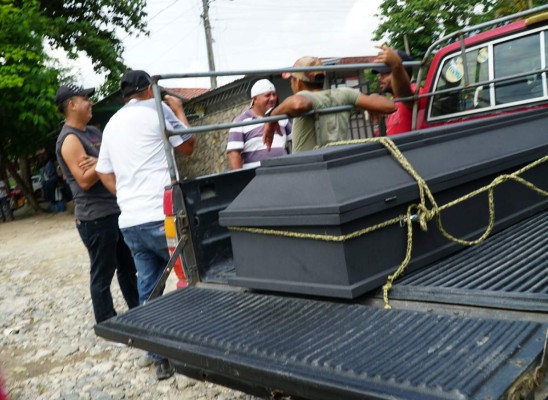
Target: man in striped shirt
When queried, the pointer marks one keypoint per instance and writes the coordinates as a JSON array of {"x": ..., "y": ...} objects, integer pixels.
[{"x": 245, "y": 147}]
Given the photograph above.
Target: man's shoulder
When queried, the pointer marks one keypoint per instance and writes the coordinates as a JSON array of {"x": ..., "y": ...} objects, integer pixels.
[
  {"x": 140, "y": 103},
  {"x": 66, "y": 131},
  {"x": 130, "y": 112},
  {"x": 135, "y": 107},
  {"x": 328, "y": 97},
  {"x": 244, "y": 116},
  {"x": 345, "y": 91}
]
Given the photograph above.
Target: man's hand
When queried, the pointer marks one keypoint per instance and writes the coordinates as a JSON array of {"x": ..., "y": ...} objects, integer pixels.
[
  {"x": 388, "y": 56},
  {"x": 270, "y": 128},
  {"x": 174, "y": 103},
  {"x": 87, "y": 162}
]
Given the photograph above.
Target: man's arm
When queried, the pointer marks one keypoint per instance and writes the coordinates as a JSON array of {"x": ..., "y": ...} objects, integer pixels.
[
  {"x": 235, "y": 159},
  {"x": 187, "y": 147},
  {"x": 293, "y": 106},
  {"x": 81, "y": 165},
  {"x": 109, "y": 181},
  {"x": 401, "y": 85},
  {"x": 176, "y": 105},
  {"x": 375, "y": 103}
]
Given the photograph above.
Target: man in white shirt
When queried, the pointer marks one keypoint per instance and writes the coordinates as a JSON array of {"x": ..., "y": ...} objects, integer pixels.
[{"x": 132, "y": 164}]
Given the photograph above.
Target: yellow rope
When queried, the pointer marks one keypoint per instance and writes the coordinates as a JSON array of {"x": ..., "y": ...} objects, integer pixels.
[{"x": 421, "y": 211}]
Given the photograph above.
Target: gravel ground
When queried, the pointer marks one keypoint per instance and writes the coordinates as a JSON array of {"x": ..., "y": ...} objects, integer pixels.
[{"x": 48, "y": 349}]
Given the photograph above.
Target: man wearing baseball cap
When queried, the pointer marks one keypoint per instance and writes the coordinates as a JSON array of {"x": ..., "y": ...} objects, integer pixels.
[
  {"x": 133, "y": 164},
  {"x": 96, "y": 210},
  {"x": 394, "y": 78},
  {"x": 245, "y": 147},
  {"x": 309, "y": 94}
]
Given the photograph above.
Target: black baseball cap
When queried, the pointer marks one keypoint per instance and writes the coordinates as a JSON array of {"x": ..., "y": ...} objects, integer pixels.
[
  {"x": 404, "y": 57},
  {"x": 69, "y": 90},
  {"x": 134, "y": 81}
]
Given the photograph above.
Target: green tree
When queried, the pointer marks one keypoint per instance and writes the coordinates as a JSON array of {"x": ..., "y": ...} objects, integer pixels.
[
  {"x": 92, "y": 27},
  {"x": 422, "y": 22},
  {"x": 26, "y": 87},
  {"x": 29, "y": 78},
  {"x": 508, "y": 7}
]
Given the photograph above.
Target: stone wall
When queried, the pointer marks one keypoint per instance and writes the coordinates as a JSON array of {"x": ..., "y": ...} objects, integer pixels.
[{"x": 209, "y": 155}]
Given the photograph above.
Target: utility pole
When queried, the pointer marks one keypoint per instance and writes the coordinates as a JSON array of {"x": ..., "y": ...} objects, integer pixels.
[{"x": 209, "y": 42}]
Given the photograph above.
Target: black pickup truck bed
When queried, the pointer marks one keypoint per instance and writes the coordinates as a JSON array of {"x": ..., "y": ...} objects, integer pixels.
[{"x": 479, "y": 336}]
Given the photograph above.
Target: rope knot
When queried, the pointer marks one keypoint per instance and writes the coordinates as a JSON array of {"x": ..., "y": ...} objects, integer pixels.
[{"x": 424, "y": 215}]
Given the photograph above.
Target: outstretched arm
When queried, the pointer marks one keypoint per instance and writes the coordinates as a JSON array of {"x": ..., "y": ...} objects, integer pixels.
[
  {"x": 293, "y": 106},
  {"x": 375, "y": 104}
]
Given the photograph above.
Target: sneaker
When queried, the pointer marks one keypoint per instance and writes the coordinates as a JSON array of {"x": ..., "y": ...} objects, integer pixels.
[
  {"x": 164, "y": 369},
  {"x": 145, "y": 361}
]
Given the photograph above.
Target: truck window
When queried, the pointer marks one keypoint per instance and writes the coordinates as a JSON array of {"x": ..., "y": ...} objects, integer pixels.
[
  {"x": 498, "y": 59},
  {"x": 452, "y": 76},
  {"x": 514, "y": 57}
]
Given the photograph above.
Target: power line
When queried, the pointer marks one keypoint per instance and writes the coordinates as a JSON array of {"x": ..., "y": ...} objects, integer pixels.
[
  {"x": 162, "y": 10},
  {"x": 164, "y": 26},
  {"x": 150, "y": 19}
]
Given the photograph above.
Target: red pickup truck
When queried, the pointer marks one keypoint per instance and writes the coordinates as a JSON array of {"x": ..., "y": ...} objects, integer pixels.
[
  {"x": 283, "y": 265},
  {"x": 501, "y": 70}
]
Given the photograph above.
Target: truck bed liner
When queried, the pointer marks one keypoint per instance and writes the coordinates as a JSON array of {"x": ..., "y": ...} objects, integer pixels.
[
  {"x": 331, "y": 350},
  {"x": 339, "y": 350},
  {"x": 510, "y": 271}
]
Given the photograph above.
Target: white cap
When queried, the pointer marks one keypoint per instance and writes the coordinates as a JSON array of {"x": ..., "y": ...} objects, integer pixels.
[{"x": 262, "y": 86}]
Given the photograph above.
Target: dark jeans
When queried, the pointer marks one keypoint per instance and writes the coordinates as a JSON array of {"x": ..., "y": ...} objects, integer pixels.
[
  {"x": 49, "y": 190},
  {"x": 108, "y": 253},
  {"x": 5, "y": 209},
  {"x": 149, "y": 248}
]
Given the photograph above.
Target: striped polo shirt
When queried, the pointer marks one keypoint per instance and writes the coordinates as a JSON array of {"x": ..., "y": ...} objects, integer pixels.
[{"x": 249, "y": 140}]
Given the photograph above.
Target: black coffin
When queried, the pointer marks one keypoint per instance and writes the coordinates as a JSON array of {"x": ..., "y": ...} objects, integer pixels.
[{"x": 340, "y": 190}]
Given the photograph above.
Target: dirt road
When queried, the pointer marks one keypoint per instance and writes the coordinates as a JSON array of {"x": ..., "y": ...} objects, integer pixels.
[{"x": 48, "y": 349}]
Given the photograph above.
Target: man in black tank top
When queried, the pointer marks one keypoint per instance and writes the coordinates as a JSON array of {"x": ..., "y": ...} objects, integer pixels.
[{"x": 96, "y": 210}]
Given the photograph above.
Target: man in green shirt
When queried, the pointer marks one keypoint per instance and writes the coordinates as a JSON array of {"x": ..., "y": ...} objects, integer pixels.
[{"x": 309, "y": 94}]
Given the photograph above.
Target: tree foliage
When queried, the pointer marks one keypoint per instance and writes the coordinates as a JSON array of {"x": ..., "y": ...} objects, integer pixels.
[
  {"x": 422, "y": 22},
  {"x": 93, "y": 27},
  {"x": 27, "y": 86},
  {"x": 29, "y": 78}
]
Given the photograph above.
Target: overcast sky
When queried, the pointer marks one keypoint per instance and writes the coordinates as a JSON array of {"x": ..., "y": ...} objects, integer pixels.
[{"x": 248, "y": 34}]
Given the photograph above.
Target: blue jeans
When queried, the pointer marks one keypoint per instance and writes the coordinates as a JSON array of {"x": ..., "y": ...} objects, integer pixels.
[
  {"x": 108, "y": 254},
  {"x": 148, "y": 245}
]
